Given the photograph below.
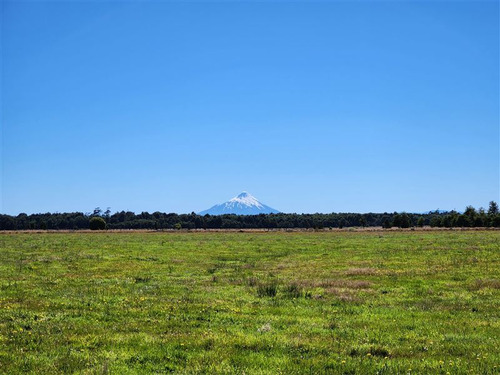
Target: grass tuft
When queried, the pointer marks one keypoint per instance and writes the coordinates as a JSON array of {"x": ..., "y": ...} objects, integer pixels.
[
  {"x": 293, "y": 290},
  {"x": 268, "y": 289}
]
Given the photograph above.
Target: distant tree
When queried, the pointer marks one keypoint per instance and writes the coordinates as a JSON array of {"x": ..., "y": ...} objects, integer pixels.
[
  {"x": 462, "y": 221},
  {"x": 178, "y": 226},
  {"x": 471, "y": 214},
  {"x": 482, "y": 218},
  {"x": 450, "y": 220},
  {"x": 362, "y": 221},
  {"x": 495, "y": 221},
  {"x": 7, "y": 222},
  {"x": 470, "y": 211},
  {"x": 479, "y": 221},
  {"x": 396, "y": 221},
  {"x": 97, "y": 211},
  {"x": 341, "y": 223},
  {"x": 97, "y": 223},
  {"x": 387, "y": 223},
  {"x": 420, "y": 221},
  {"x": 436, "y": 221},
  {"x": 493, "y": 208},
  {"x": 405, "y": 220},
  {"x": 107, "y": 213}
]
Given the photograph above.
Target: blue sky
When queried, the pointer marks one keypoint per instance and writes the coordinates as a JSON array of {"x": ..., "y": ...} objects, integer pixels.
[{"x": 311, "y": 107}]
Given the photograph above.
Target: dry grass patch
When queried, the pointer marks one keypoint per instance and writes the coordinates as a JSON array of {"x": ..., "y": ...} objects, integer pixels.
[
  {"x": 336, "y": 283},
  {"x": 347, "y": 284},
  {"x": 344, "y": 295},
  {"x": 481, "y": 284},
  {"x": 368, "y": 271}
]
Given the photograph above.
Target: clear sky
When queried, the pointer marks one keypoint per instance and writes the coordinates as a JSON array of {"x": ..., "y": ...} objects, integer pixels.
[{"x": 311, "y": 107}]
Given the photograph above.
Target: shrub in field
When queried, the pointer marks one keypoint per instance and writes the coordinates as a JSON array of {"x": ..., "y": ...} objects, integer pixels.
[{"x": 97, "y": 223}]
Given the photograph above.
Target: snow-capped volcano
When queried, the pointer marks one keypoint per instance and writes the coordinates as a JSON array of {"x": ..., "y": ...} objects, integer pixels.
[{"x": 243, "y": 204}]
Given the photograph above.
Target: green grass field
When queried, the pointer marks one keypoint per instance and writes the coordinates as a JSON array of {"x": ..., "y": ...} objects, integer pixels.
[{"x": 410, "y": 302}]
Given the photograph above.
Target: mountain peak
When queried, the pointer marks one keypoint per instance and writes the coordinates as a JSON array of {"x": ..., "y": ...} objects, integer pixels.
[{"x": 243, "y": 204}]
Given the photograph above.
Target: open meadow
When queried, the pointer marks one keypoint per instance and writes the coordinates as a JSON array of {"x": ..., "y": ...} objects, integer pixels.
[{"x": 345, "y": 302}]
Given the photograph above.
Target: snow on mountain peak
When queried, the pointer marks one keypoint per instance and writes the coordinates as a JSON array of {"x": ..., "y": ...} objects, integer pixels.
[
  {"x": 246, "y": 199},
  {"x": 243, "y": 204}
]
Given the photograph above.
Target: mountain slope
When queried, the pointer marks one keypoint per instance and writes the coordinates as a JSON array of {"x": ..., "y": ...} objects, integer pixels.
[{"x": 243, "y": 204}]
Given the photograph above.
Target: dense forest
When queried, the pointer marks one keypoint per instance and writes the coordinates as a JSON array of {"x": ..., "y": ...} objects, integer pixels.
[{"x": 98, "y": 219}]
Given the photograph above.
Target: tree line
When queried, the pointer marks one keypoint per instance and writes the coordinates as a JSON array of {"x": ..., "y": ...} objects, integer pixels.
[{"x": 98, "y": 219}]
